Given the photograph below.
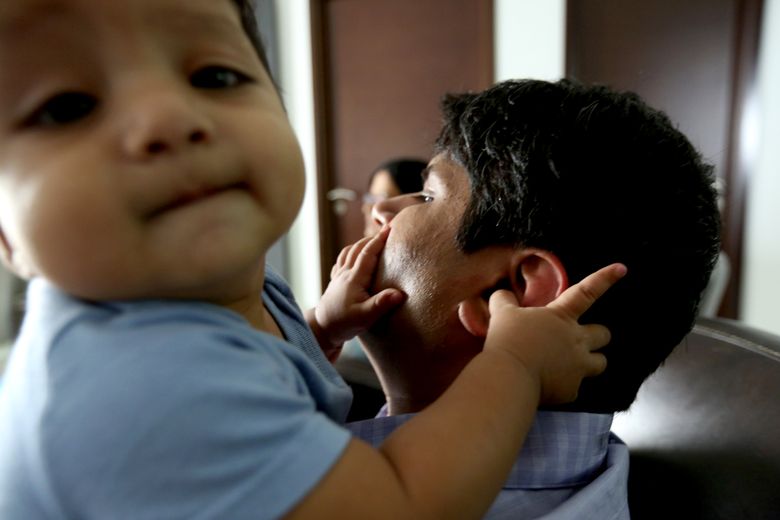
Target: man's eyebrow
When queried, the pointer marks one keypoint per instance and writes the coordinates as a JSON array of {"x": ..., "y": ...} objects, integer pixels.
[{"x": 424, "y": 174}]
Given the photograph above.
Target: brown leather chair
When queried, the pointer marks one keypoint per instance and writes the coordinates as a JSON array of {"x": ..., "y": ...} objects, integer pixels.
[{"x": 704, "y": 432}]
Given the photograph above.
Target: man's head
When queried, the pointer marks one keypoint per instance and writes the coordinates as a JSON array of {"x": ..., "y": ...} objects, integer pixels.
[
  {"x": 144, "y": 149},
  {"x": 560, "y": 180}
]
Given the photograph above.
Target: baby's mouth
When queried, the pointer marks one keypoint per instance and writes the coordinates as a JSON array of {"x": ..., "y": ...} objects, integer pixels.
[{"x": 196, "y": 195}]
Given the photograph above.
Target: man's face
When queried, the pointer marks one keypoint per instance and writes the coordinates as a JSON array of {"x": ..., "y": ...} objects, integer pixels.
[
  {"x": 421, "y": 258},
  {"x": 144, "y": 151}
]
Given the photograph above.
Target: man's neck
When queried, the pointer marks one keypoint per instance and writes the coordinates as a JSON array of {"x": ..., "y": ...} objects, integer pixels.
[
  {"x": 412, "y": 378},
  {"x": 411, "y": 391}
]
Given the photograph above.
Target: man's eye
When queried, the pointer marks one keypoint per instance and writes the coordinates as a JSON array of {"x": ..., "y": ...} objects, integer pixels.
[
  {"x": 424, "y": 197},
  {"x": 62, "y": 109},
  {"x": 215, "y": 77}
]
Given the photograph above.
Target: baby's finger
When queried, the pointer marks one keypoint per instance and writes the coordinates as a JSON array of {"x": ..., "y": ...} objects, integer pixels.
[
  {"x": 579, "y": 297},
  {"x": 500, "y": 299},
  {"x": 596, "y": 364},
  {"x": 367, "y": 259},
  {"x": 355, "y": 250},
  {"x": 342, "y": 256},
  {"x": 341, "y": 261},
  {"x": 598, "y": 336},
  {"x": 380, "y": 304},
  {"x": 378, "y": 241}
]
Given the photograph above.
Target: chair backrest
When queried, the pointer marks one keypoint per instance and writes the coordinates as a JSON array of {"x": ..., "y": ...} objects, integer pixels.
[
  {"x": 704, "y": 432},
  {"x": 712, "y": 297}
]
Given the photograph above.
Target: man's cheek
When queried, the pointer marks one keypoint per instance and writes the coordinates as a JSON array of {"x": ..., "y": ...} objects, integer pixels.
[{"x": 381, "y": 273}]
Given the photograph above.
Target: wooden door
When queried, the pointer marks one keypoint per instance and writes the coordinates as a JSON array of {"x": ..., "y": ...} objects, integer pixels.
[
  {"x": 694, "y": 59},
  {"x": 381, "y": 67}
]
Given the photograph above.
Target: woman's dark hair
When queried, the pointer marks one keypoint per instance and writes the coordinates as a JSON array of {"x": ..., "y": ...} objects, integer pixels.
[
  {"x": 406, "y": 173},
  {"x": 594, "y": 176}
]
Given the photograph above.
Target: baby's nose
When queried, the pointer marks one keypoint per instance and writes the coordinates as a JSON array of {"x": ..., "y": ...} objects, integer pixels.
[
  {"x": 157, "y": 144},
  {"x": 164, "y": 123}
]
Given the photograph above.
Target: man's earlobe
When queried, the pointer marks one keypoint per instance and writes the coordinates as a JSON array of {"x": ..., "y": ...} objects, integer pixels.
[
  {"x": 5, "y": 249},
  {"x": 542, "y": 276},
  {"x": 474, "y": 315},
  {"x": 7, "y": 257}
]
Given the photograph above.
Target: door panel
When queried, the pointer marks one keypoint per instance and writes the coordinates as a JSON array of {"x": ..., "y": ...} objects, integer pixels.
[{"x": 696, "y": 61}]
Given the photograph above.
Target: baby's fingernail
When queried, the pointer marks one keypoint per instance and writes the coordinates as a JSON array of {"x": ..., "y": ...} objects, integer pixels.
[{"x": 397, "y": 297}]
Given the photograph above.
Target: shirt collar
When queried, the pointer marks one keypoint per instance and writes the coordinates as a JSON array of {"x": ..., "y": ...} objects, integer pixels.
[{"x": 562, "y": 449}]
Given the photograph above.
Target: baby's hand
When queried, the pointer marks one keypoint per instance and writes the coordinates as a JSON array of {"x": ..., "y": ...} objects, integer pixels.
[
  {"x": 549, "y": 341},
  {"x": 347, "y": 308}
]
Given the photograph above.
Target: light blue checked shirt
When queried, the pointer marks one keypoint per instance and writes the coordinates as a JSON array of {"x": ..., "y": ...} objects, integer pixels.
[{"x": 570, "y": 467}]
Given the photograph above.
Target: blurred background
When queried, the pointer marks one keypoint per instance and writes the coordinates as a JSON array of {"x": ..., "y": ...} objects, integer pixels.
[{"x": 361, "y": 80}]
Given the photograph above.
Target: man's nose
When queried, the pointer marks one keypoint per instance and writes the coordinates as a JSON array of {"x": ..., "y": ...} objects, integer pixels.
[
  {"x": 162, "y": 119},
  {"x": 385, "y": 211}
]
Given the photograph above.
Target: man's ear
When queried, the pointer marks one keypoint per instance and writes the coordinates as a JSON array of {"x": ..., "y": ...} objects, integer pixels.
[
  {"x": 541, "y": 275},
  {"x": 535, "y": 276},
  {"x": 7, "y": 257},
  {"x": 474, "y": 315},
  {"x": 5, "y": 250}
]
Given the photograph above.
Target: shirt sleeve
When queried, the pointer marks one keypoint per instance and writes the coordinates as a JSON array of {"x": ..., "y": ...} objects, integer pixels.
[{"x": 171, "y": 424}]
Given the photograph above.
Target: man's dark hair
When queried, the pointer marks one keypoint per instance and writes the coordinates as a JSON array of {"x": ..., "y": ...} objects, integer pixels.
[
  {"x": 595, "y": 177},
  {"x": 406, "y": 173}
]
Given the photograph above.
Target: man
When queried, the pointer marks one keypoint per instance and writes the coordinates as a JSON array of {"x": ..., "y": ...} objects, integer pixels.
[{"x": 533, "y": 186}]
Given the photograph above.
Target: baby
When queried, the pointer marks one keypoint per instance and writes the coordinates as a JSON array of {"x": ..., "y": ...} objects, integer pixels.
[{"x": 146, "y": 168}]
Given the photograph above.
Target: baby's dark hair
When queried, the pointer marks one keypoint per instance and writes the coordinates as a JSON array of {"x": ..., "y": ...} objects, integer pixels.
[
  {"x": 246, "y": 11},
  {"x": 594, "y": 176}
]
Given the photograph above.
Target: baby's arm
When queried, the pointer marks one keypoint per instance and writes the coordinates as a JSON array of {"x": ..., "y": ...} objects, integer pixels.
[
  {"x": 346, "y": 308},
  {"x": 451, "y": 459}
]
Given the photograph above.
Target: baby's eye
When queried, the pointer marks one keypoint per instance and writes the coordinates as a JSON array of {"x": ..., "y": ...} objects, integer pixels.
[
  {"x": 216, "y": 77},
  {"x": 62, "y": 109}
]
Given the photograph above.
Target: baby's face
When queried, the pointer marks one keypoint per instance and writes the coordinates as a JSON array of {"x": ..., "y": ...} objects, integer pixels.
[{"x": 144, "y": 151}]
